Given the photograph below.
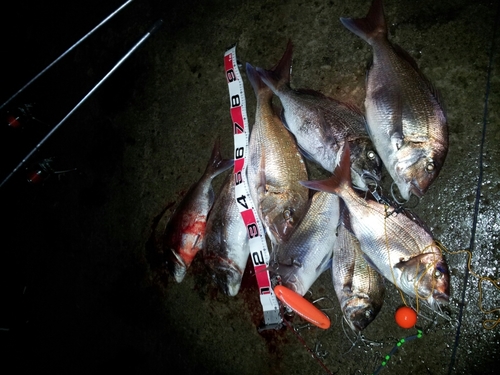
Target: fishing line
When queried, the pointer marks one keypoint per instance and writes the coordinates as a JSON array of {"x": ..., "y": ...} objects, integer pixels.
[
  {"x": 478, "y": 190},
  {"x": 389, "y": 258},
  {"x": 395, "y": 349},
  {"x": 419, "y": 278},
  {"x": 65, "y": 53},
  {"x": 153, "y": 29},
  {"x": 303, "y": 342},
  {"x": 488, "y": 323}
]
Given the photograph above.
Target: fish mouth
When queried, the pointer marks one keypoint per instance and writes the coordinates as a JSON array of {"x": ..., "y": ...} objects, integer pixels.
[
  {"x": 441, "y": 297},
  {"x": 227, "y": 276},
  {"x": 404, "y": 189},
  {"x": 229, "y": 280},
  {"x": 370, "y": 178},
  {"x": 416, "y": 190},
  {"x": 281, "y": 231},
  {"x": 359, "y": 312},
  {"x": 176, "y": 266},
  {"x": 293, "y": 283}
]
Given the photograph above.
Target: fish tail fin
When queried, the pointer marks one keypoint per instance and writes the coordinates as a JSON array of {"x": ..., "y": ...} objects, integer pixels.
[
  {"x": 340, "y": 178},
  {"x": 217, "y": 164},
  {"x": 280, "y": 74},
  {"x": 372, "y": 26},
  {"x": 259, "y": 87}
]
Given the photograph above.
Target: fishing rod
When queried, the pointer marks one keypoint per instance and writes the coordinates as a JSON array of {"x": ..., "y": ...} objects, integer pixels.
[
  {"x": 65, "y": 53},
  {"x": 472, "y": 243},
  {"x": 154, "y": 28}
]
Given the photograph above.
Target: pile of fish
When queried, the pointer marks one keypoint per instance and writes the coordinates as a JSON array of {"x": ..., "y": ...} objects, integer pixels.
[{"x": 345, "y": 226}]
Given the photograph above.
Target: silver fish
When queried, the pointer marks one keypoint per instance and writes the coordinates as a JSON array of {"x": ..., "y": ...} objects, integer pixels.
[
  {"x": 185, "y": 231},
  {"x": 322, "y": 124},
  {"x": 275, "y": 167},
  {"x": 395, "y": 245},
  {"x": 226, "y": 249},
  {"x": 359, "y": 288},
  {"x": 406, "y": 120},
  {"x": 308, "y": 253}
]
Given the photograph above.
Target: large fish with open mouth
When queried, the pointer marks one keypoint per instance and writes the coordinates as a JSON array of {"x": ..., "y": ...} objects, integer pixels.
[
  {"x": 185, "y": 231},
  {"x": 275, "y": 167},
  {"x": 308, "y": 253},
  {"x": 406, "y": 120},
  {"x": 396, "y": 246},
  {"x": 226, "y": 247},
  {"x": 322, "y": 124},
  {"x": 360, "y": 289}
]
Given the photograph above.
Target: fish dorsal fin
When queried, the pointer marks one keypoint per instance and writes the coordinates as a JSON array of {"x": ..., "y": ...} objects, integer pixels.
[
  {"x": 407, "y": 57},
  {"x": 352, "y": 106},
  {"x": 311, "y": 92}
]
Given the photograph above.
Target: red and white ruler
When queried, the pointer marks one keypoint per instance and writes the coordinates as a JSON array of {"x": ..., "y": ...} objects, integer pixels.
[{"x": 257, "y": 239}]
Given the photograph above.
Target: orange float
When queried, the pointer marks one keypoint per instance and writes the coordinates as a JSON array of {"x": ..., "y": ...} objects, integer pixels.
[
  {"x": 302, "y": 307},
  {"x": 405, "y": 317}
]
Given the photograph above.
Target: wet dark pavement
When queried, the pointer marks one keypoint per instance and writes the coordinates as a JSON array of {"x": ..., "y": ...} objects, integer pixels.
[{"x": 78, "y": 292}]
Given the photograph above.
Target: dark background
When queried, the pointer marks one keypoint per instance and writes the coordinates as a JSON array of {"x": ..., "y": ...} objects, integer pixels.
[{"x": 44, "y": 257}]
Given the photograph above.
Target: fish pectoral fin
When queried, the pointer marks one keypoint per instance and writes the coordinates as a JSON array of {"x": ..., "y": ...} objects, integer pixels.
[
  {"x": 408, "y": 156},
  {"x": 274, "y": 190},
  {"x": 305, "y": 153},
  {"x": 197, "y": 241},
  {"x": 415, "y": 136},
  {"x": 261, "y": 186},
  {"x": 422, "y": 259},
  {"x": 325, "y": 263},
  {"x": 397, "y": 140},
  {"x": 285, "y": 271}
]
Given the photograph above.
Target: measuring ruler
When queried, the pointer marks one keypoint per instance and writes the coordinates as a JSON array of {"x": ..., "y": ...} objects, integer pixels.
[{"x": 257, "y": 240}]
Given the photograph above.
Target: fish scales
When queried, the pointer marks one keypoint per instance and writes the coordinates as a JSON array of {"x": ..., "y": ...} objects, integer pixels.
[
  {"x": 185, "y": 231},
  {"x": 381, "y": 233},
  {"x": 405, "y": 117},
  {"x": 322, "y": 124},
  {"x": 398, "y": 247},
  {"x": 275, "y": 167},
  {"x": 360, "y": 289},
  {"x": 417, "y": 113},
  {"x": 226, "y": 247},
  {"x": 308, "y": 252}
]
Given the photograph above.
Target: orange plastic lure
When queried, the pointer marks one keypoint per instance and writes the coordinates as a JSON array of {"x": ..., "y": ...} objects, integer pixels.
[{"x": 302, "y": 307}]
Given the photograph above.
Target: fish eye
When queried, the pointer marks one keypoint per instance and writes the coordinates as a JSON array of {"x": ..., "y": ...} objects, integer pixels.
[
  {"x": 368, "y": 313},
  {"x": 438, "y": 274},
  {"x": 371, "y": 155},
  {"x": 429, "y": 167},
  {"x": 287, "y": 215}
]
